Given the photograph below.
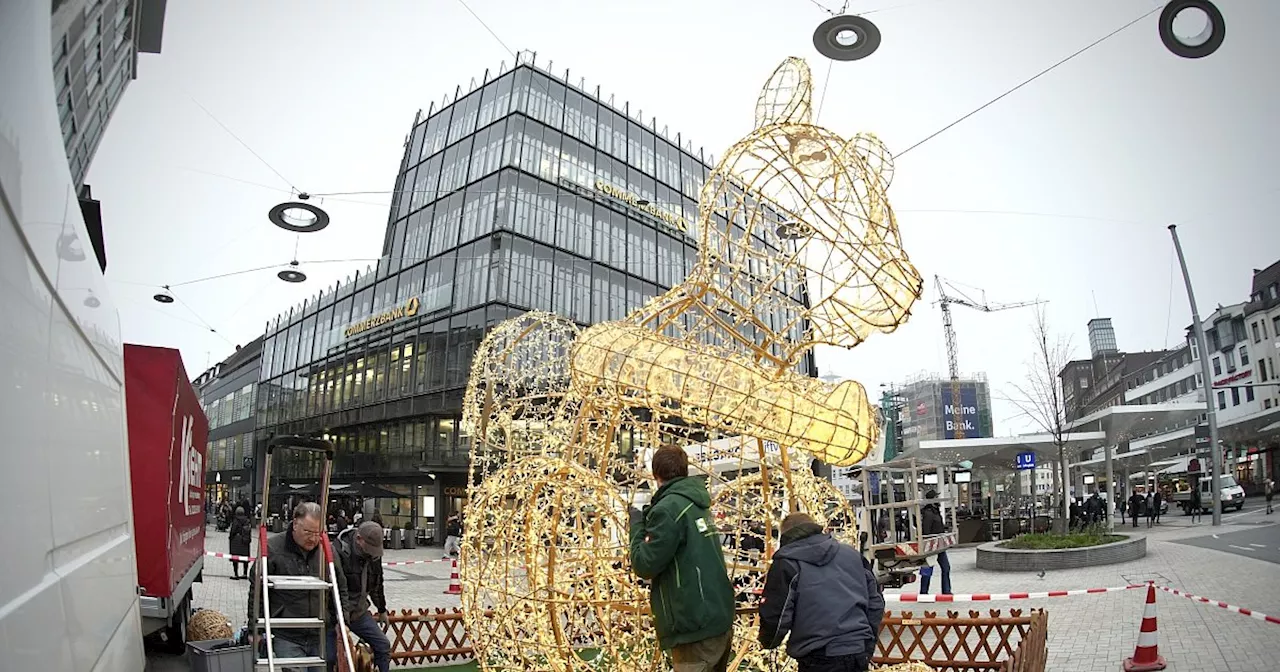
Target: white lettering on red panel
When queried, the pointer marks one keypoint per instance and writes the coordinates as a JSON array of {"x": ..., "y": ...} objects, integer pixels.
[{"x": 192, "y": 484}]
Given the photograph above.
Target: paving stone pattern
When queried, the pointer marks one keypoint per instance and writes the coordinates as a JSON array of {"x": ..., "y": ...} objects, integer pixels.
[{"x": 1086, "y": 634}]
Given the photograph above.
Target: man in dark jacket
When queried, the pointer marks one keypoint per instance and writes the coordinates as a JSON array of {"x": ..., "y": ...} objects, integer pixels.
[
  {"x": 932, "y": 523},
  {"x": 675, "y": 545},
  {"x": 238, "y": 542},
  {"x": 297, "y": 552},
  {"x": 360, "y": 549},
  {"x": 822, "y": 592}
]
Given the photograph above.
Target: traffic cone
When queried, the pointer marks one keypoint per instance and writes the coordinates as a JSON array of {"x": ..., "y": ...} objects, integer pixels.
[
  {"x": 1146, "y": 656},
  {"x": 455, "y": 582}
]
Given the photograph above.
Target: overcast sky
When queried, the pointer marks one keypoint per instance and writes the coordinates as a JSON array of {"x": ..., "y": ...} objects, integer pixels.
[{"x": 1061, "y": 191}]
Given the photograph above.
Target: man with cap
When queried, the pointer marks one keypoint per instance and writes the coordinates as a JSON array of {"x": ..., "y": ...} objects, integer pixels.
[
  {"x": 360, "y": 551},
  {"x": 824, "y": 594}
]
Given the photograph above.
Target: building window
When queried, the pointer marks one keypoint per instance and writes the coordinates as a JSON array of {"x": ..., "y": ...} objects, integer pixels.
[
  {"x": 1222, "y": 400},
  {"x": 1217, "y": 366},
  {"x": 1235, "y": 396},
  {"x": 1257, "y": 335},
  {"x": 1248, "y": 394},
  {"x": 1244, "y": 356}
]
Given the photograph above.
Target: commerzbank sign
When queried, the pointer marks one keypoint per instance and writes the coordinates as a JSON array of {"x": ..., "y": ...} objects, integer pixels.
[
  {"x": 407, "y": 309},
  {"x": 640, "y": 204}
]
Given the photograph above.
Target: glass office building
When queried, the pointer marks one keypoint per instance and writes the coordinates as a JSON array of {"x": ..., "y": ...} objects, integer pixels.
[{"x": 526, "y": 193}]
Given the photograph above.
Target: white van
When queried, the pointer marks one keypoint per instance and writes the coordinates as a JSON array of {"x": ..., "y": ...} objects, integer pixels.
[{"x": 1232, "y": 494}]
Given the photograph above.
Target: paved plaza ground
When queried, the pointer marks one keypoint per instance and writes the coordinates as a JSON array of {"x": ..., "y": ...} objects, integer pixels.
[{"x": 1086, "y": 634}]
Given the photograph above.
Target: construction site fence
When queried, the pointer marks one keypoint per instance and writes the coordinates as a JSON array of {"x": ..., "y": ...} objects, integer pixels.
[{"x": 946, "y": 641}]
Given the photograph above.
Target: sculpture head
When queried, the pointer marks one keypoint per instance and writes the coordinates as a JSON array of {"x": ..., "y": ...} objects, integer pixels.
[{"x": 796, "y": 221}]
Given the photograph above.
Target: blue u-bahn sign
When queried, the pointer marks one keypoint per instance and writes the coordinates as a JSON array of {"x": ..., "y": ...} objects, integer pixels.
[{"x": 1026, "y": 461}]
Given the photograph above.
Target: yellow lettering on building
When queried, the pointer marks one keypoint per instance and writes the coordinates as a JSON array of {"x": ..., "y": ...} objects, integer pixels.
[
  {"x": 409, "y": 309},
  {"x": 634, "y": 201}
]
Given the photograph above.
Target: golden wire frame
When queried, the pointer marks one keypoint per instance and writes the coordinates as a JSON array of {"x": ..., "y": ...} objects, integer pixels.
[{"x": 798, "y": 246}]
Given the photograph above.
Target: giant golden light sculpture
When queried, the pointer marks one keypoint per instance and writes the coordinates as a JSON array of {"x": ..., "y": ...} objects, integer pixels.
[{"x": 798, "y": 246}]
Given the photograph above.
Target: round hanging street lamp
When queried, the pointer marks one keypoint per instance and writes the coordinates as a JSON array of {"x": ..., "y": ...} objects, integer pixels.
[
  {"x": 1203, "y": 43},
  {"x": 299, "y": 217},
  {"x": 846, "y": 38}
]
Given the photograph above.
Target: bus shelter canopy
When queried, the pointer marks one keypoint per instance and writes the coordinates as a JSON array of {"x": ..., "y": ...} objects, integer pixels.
[{"x": 1002, "y": 452}]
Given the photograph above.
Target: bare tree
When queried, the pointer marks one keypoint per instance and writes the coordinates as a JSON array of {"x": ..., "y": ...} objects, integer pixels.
[{"x": 1040, "y": 398}]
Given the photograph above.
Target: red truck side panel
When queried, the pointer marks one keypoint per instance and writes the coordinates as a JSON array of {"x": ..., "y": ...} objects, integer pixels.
[{"x": 167, "y": 435}]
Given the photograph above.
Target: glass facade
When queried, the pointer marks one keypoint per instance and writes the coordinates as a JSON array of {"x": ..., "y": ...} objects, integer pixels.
[{"x": 525, "y": 194}]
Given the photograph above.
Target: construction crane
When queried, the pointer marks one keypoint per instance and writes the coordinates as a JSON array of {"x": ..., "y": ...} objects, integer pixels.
[{"x": 959, "y": 298}]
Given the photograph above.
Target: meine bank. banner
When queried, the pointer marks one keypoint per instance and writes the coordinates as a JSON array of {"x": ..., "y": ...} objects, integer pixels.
[{"x": 962, "y": 421}]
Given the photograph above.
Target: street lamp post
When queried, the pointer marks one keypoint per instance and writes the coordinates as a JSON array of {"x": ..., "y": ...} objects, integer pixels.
[{"x": 1215, "y": 453}]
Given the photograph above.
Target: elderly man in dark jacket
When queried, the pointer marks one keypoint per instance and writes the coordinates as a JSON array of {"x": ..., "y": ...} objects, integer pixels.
[
  {"x": 360, "y": 549},
  {"x": 822, "y": 592},
  {"x": 297, "y": 552}
]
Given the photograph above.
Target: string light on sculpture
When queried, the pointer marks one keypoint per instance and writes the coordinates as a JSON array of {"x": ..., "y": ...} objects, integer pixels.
[{"x": 563, "y": 423}]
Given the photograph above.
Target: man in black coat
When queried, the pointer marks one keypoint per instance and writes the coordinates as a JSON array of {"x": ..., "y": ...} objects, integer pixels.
[
  {"x": 932, "y": 523},
  {"x": 822, "y": 592}
]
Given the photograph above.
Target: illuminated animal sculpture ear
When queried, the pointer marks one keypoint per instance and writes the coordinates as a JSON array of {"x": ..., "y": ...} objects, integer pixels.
[
  {"x": 787, "y": 97},
  {"x": 872, "y": 158}
]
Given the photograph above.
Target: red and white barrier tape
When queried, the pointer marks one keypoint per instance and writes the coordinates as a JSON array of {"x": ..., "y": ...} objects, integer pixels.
[
  {"x": 397, "y": 563},
  {"x": 1229, "y": 607},
  {"x": 228, "y": 556},
  {"x": 414, "y": 562},
  {"x": 996, "y": 597}
]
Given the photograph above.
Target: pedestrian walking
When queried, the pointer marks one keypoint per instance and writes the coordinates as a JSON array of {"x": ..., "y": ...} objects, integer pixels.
[
  {"x": 238, "y": 543},
  {"x": 932, "y": 523},
  {"x": 1159, "y": 499},
  {"x": 822, "y": 593},
  {"x": 1195, "y": 504},
  {"x": 360, "y": 549},
  {"x": 1270, "y": 493},
  {"x": 452, "y": 536},
  {"x": 1135, "y": 507},
  {"x": 675, "y": 546},
  {"x": 1149, "y": 506}
]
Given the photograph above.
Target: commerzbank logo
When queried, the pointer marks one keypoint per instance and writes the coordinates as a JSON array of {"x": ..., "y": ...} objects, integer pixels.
[
  {"x": 407, "y": 309},
  {"x": 191, "y": 487}
]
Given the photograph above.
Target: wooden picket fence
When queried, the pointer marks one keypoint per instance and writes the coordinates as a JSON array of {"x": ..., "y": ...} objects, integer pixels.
[
  {"x": 948, "y": 643},
  {"x": 972, "y": 643}
]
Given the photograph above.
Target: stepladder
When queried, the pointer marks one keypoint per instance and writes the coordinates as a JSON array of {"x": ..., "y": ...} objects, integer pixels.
[{"x": 275, "y": 634}]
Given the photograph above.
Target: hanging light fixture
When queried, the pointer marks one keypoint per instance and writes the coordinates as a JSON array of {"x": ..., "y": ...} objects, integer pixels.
[
  {"x": 846, "y": 38},
  {"x": 164, "y": 297},
  {"x": 794, "y": 230},
  {"x": 292, "y": 274},
  {"x": 299, "y": 216},
  {"x": 1203, "y": 43}
]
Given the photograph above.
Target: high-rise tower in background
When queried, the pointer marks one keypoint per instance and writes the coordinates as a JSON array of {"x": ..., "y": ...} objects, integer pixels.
[{"x": 95, "y": 55}]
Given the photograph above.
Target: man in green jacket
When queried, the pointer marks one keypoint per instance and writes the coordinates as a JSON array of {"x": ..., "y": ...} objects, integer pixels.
[{"x": 674, "y": 544}]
